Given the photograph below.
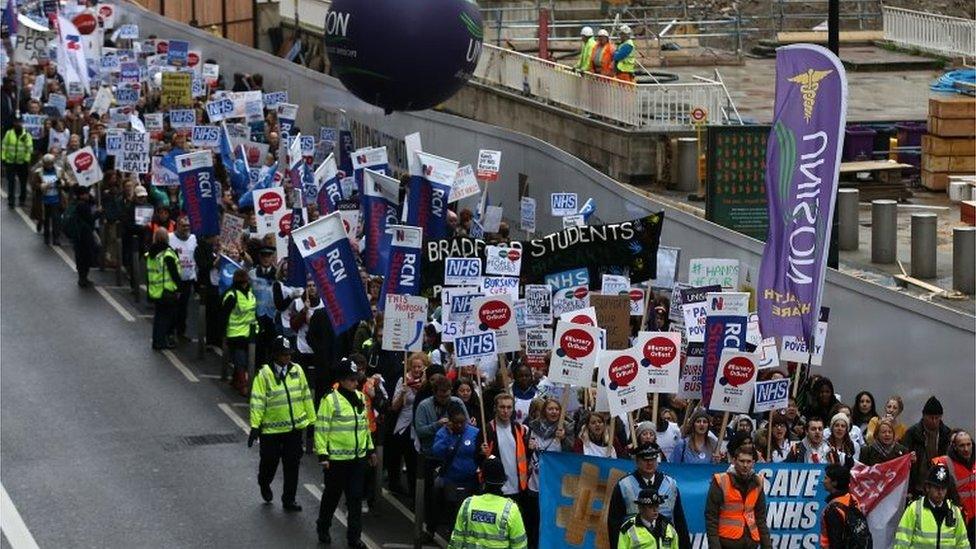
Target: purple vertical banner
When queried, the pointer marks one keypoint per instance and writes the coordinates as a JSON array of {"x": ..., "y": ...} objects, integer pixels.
[
  {"x": 373, "y": 158},
  {"x": 330, "y": 262},
  {"x": 200, "y": 190},
  {"x": 346, "y": 146},
  {"x": 329, "y": 192},
  {"x": 297, "y": 276},
  {"x": 725, "y": 327},
  {"x": 428, "y": 195},
  {"x": 802, "y": 165},
  {"x": 402, "y": 274},
  {"x": 380, "y": 209}
]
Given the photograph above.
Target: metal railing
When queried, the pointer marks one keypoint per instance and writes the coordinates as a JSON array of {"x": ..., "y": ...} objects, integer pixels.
[
  {"x": 641, "y": 106},
  {"x": 930, "y": 32}
]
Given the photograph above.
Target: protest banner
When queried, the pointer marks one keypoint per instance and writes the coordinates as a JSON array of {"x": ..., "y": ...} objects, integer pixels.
[
  {"x": 527, "y": 214},
  {"x": 880, "y": 491},
  {"x": 496, "y": 312},
  {"x": 231, "y": 230},
  {"x": 269, "y": 208},
  {"x": 575, "y": 349},
  {"x": 462, "y": 271},
  {"x": 771, "y": 395},
  {"x": 200, "y": 189},
  {"x": 563, "y": 204},
  {"x": 469, "y": 348},
  {"x": 127, "y": 94},
  {"x": 283, "y": 231},
  {"x": 329, "y": 194},
  {"x": 689, "y": 384},
  {"x": 329, "y": 260},
  {"x": 795, "y": 348},
  {"x": 428, "y": 195},
  {"x": 287, "y": 114},
  {"x": 219, "y": 109},
  {"x": 668, "y": 259},
  {"x": 725, "y": 326},
  {"x": 32, "y": 46},
  {"x": 575, "y": 492},
  {"x": 205, "y": 137},
  {"x": 570, "y": 299},
  {"x": 489, "y": 164},
  {"x": 710, "y": 271},
  {"x": 802, "y": 169},
  {"x": 33, "y": 124},
  {"x": 129, "y": 31},
  {"x": 57, "y": 102},
  {"x": 465, "y": 184},
  {"x": 694, "y": 310},
  {"x": 500, "y": 285},
  {"x": 615, "y": 285},
  {"x": 306, "y": 145},
  {"x": 143, "y": 215},
  {"x": 113, "y": 141},
  {"x": 85, "y": 167},
  {"x": 402, "y": 274},
  {"x": 621, "y": 377},
  {"x": 503, "y": 261},
  {"x": 456, "y": 303},
  {"x": 404, "y": 317},
  {"x": 660, "y": 359},
  {"x": 350, "y": 215},
  {"x": 538, "y": 304},
  {"x": 613, "y": 315},
  {"x": 162, "y": 175},
  {"x": 176, "y": 90},
  {"x": 210, "y": 73},
  {"x": 573, "y": 221},
  {"x": 538, "y": 341},
  {"x": 736, "y": 375},
  {"x": 381, "y": 208}
]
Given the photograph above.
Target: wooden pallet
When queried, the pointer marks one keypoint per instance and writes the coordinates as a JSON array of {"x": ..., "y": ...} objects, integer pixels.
[
  {"x": 948, "y": 146},
  {"x": 953, "y": 107}
]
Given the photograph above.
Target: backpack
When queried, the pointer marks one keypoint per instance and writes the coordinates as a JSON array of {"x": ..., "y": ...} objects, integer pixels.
[{"x": 856, "y": 530}]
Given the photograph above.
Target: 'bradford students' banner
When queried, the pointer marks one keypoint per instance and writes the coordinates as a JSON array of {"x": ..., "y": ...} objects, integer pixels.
[
  {"x": 802, "y": 166},
  {"x": 630, "y": 244},
  {"x": 575, "y": 492}
]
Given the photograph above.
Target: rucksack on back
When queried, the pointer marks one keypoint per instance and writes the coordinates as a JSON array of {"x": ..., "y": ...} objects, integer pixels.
[{"x": 856, "y": 530}]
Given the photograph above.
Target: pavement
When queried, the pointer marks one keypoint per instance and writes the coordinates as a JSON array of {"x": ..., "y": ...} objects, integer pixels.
[{"x": 105, "y": 443}]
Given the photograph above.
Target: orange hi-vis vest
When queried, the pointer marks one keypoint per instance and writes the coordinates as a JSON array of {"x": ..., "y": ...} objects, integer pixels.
[
  {"x": 737, "y": 513},
  {"x": 965, "y": 480},
  {"x": 606, "y": 63},
  {"x": 521, "y": 458}
]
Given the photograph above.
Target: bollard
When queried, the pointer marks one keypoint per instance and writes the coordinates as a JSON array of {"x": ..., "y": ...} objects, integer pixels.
[
  {"x": 136, "y": 263},
  {"x": 848, "y": 202},
  {"x": 924, "y": 244},
  {"x": 418, "y": 503},
  {"x": 884, "y": 231},
  {"x": 964, "y": 259},
  {"x": 201, "y": 327}
]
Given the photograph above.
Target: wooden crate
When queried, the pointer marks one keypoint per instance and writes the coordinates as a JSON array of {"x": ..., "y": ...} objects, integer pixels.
[
  {"x": 952, "y": 127},
  {"x": 948, "y": 146},
  {"x": 935, "y": 181},
  {"x": 935, "y": 163},
  {"x": 952, "y": 107}
]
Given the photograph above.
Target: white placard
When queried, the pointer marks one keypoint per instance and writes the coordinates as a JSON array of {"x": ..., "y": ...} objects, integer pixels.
[
  {"x": 269, "y": 208},
  {"x": 489, "y": 164},
  {"x": 503, "y": 261},
  {"x": 500, "y": 285},
  {"x": 404, "y": 317},
  {"x": 492, "y": 219},
  {"x": 570, "y": 299},
  {"x": 538, "y": 341},
  {"x": 497, "y": 312},
  {"x": 563, "y": 204},
  {"x": 771, "y": 395},
  {"x": 527, "y": 214},
  {"x": 465, "y": 184},
  {"x": 462, "y": 271},
  {"x": 573, "y": 221},
  {"x": 734, "y": 382},
  {"x": 660, "y": 358},
  {"x": 623, "y": 380},
  {"x": 85, "y": 166},
  {"x": 469, "y": 348},
  {"x": 705, "y": 271},
  {"x": 538, "y": 304},
  {"x": 795, "y": 349},
  {"x": 457, "y": 303},
  {"x": 575, "y": 349}
]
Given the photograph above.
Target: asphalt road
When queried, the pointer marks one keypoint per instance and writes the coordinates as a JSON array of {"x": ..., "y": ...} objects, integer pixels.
[{"x": 105, "y": 443}]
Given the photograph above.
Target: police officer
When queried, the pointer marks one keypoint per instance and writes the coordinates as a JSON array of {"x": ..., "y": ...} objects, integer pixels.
[
  {"x": 344, "y": 446},
  {"x": 648, "y": 529},
  {"x": 490, "y": 520},
  {"x": 932, "y": 520},
  {"x": 623, "y": 502},
  {"x": 281, "y": 408}
]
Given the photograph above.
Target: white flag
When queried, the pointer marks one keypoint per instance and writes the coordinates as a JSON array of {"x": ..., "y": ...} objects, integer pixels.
[
  {"x": 72, "y": 64},
  {"x": 880, "y": 491}
]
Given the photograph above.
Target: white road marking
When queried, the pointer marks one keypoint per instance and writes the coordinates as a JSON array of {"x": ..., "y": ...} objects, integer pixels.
[
  {"x": 408, "y": 513},
  {"x": 13, "y": 525},
  {"x": 238, "y": 420},
  {"x": 64, "y": 255},
  {"x": 175, "y": 361},
  {"x": 115, "y": 304},
  {"x": 341, "y": 515},
  {"x": 209, "y": 376}
]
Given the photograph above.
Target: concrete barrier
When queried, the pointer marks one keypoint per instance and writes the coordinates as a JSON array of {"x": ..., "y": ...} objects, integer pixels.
[{"x": 877, "y": 339}]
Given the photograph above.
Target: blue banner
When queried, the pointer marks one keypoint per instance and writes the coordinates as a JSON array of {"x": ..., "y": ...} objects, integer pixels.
[
  {"x": 725, "y": 327},
  {"x": 329, "y": 193},
  {"x": 402, "y": 275},
  {"x": 574, "y": 489},
  {"x": 261, "y": 288},
  {"x": 200, "y": 190},
  {"x": 380, "y": 209},
  {"x": 372, "y": 158},
  {"x": 226, "y": 267},
  {"x": 428, "y": 195},
  {"x": 330, "y": 262},
  {"x": 297, "y": 276}
]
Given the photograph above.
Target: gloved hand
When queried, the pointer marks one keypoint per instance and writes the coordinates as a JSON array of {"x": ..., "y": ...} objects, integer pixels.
[
  {"x": 255, "y": 434},
  {"x": 324, "y": 461}
]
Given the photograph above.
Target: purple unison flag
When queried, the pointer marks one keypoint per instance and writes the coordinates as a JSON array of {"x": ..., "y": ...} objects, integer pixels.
[
  {"x": 802, "y": 165},
  {"x": 330, "y": 262},
  {"x": 402, "y": 274}
]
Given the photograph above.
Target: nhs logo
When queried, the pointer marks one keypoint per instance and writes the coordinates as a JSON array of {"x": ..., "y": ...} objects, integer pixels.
[{"x": 462, "y": 271}]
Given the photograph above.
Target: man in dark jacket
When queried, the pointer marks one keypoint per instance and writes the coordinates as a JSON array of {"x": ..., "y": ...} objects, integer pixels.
[
  {"x": 84, "y": 239},
  {"x": 740, "y": 514},
  {"x": 833, "y": 527},
  {"x": 647, "y": 477},
  {"x": 929, "y": 438}
]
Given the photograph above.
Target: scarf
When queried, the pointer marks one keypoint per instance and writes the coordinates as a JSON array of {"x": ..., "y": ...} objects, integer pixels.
[{"x": 884, "y": 451}]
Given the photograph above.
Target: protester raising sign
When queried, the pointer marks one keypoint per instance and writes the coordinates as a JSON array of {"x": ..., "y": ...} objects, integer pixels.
[
  {"x": 85, "y": 167},
  {"x": 660, "y": 360},
  {"x": 269, "y": 208},
  {"x": 199, "y": 186},
  {"x": 402, "y": 274},
  {"x": 575, "y": 348},
  {"x": 329, "y": 260}
]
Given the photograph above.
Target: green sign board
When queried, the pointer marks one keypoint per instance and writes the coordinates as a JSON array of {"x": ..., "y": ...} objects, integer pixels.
[{"x": 735, "y": 190}]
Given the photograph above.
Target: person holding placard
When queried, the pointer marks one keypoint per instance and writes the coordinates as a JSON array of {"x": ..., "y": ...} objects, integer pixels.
[
  {"x": 595, "y": 438},
  {"x": 50, "y": 185},
  {"x": 508, "y": 440},
  {"x": 400, "y": 447},
  {"x": 646, "y": 477}
]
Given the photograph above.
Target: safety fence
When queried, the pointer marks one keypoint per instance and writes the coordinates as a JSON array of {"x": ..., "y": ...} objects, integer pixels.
[
  {"x": 930, "y": 32},
  {"x": 643, "y": 106}
]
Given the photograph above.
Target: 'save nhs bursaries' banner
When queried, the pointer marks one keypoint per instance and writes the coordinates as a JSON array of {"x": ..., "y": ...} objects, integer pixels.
[
  {"x": 802, "y": 164},
  {"x": 575, "y": 493}
]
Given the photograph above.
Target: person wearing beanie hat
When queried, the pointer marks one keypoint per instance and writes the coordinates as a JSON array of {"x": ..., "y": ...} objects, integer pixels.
[
  {"x": 833, "y": 526},
  {"x": 932, "y": 520},
  {"x": 842, "y": 447},
  {"x": 646, "y": 478},
  {"x": 698, "y": 444},
  {"x": 929, "y": 438}
]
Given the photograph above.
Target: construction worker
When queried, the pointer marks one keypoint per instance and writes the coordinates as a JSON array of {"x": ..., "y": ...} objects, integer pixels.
[
  {"x": 584, "y": 63},
  {"x": 735, "y": 509},
  {"x": 601, "y": 56},
  {"x": 648, "y": 529},
  {"x": 961, "y": 464},
  {"x": 281, "y": 409},
  {"x": 162, "y": 274},
  {"x": 625, "y": 56},
  {"x": 647, "y": 477},
  {"x": 490, "y": 520},
  {"x": 345, "y": 447},
  {"x": 932, "y": 520}
]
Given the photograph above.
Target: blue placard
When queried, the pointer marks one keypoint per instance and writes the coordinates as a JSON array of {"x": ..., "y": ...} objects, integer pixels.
[
  {"x": 328, "y": 134},
  {"x": 272, "y": 99},
  {"x": 206, "y": 136},
  {"x": 771, "y": 395},
  {"x": 219, "y": 109},
  {"x": 462, "y": 271},
  {"x": 129, "y": 31},
  {"x": 563, "y": 204},
  {"x": 127, "y": 95},
  {"x": 182, "y": 118},
  {"x": 468, "y": 347},
  {"x": 179, "y": 53},
  {"x": 568, "y": 279}
]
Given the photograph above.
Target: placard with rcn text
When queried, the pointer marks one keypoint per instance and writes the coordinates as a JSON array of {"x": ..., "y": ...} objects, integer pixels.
[
  {"x": 660, "y": 360},
  {"x": 725, "y": 326},
  {"x": 404, "y": 317},
  {"x": 575, "y": 348},
  {"x": 497, "y": 312},
  {"x": 735, "y": 382},
  {"x": 462, "y": 271},
  {"x": 200, "y": 189}
]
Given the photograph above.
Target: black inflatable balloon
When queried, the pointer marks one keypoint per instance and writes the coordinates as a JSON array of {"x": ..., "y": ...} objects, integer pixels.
[{"x": 403, "y": 55}]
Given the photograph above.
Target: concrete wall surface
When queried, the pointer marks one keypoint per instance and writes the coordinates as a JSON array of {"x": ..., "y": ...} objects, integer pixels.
[{"x": 879, "y": 340}]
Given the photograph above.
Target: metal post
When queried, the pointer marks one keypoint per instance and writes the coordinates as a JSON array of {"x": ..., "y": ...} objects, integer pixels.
[
  {"x": 884, "y": 231},
  {"x": 201, "y": 328},
  {"x": 848, "y": 201},
  {"x": 964, "y": 259},
  {"x": 924, "y": 244}
]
